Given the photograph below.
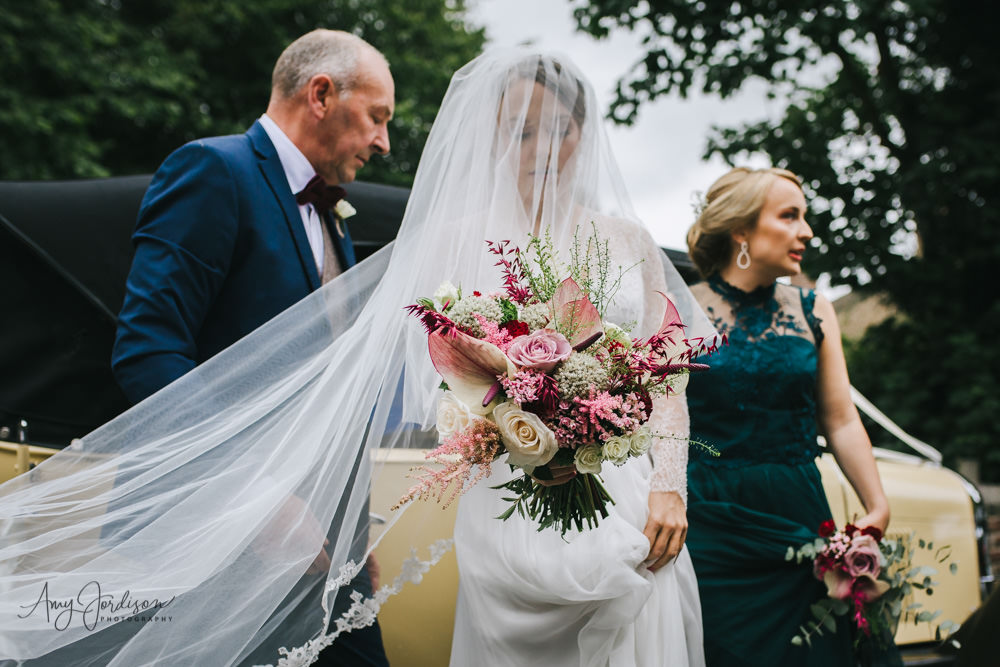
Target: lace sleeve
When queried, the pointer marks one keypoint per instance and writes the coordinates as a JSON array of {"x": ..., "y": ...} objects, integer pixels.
[{"x": 671, "y": 427}]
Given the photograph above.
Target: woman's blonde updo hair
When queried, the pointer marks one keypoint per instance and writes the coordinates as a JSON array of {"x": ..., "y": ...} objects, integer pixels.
[{"x": 733, "y": 203}]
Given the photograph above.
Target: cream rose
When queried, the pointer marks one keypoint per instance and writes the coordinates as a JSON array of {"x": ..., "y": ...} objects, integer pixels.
[
  {"x": 616, "y": 449},
  {"x": 641, "y": 441},
  {"x": 529, "y": 442},
  {"x": 588, "y": 459},
  {"x": 452, "y": 416}
]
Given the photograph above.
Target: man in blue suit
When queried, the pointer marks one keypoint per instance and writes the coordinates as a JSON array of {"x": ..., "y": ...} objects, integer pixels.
[{"x": 233, "y": 230}]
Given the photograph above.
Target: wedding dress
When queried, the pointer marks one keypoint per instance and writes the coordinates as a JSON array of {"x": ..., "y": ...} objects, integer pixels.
[{"x": 200, "y": 511}]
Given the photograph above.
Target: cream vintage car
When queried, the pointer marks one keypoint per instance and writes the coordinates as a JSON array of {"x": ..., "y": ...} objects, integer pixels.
[{"x": 63, "y": 285}]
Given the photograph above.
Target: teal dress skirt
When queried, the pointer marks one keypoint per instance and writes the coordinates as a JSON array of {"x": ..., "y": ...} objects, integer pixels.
[{"x": 763, "y": 493}]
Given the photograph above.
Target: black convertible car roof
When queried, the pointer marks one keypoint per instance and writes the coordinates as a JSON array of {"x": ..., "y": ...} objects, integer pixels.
[{"x": 65, "y": 251}]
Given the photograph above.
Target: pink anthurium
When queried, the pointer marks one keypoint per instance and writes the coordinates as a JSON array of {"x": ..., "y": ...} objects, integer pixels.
[
  {"x": 671, "y": 325},
  {"x": 673, "y": 346},
  {"x": 470, "y": 367},
  {"x": 575, "y": 316}
]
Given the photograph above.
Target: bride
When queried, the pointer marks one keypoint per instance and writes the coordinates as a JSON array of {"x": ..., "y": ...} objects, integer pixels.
[
  {"x": 537, "y": 161},
  {"x": 185, "y": 530}
]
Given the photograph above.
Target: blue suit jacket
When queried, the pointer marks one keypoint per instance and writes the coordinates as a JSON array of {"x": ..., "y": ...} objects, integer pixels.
[{"x": 220, "y": 248}]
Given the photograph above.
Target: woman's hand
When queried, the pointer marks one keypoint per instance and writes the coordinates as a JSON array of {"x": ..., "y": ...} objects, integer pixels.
[
  {"x": 666, "y": 528},
  {"x": 877, "y": 517},
  {"x": 560, "y": 475}
]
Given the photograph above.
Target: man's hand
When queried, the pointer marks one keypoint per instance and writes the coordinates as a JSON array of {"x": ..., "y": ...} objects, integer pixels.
[
  {"x": 374, "y": 571},
  {"x": 294, "y": 525},
  {"x": 666, "y": 528},
  {"x": 322, "y": 562}
]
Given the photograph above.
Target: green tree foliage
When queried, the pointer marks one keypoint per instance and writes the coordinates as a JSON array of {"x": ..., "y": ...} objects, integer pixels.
[
  {"x": 892, "y": 122},
  {"x": 99, "y": 87}
]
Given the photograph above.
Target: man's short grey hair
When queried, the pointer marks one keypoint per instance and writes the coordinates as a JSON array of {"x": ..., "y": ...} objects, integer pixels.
[{"x": 332, "y": 52}]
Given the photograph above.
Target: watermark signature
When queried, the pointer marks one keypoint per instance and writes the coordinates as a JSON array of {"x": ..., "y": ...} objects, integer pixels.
[{"x": 94, "y": 607}]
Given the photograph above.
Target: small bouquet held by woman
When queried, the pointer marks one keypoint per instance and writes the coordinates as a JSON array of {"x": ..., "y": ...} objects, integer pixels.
[
  {"x": 534, "y": 372},
  {"x": 869, "y": 577}
]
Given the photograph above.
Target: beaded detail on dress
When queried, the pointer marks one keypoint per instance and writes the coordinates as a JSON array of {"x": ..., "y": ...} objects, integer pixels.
[{"x": 757, "y": 403}]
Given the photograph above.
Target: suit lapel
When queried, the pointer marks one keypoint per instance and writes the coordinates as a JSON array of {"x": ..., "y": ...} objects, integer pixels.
[{"x": 274, "y": 175}]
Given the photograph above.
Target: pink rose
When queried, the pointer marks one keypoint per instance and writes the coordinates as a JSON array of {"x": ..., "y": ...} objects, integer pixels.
[
  {"x": 863, "y": 557},
  {"x": 540, "y": 350}
]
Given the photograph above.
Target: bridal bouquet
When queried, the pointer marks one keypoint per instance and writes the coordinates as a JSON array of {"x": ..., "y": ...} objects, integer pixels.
[
  {"x": 533, "y": 372},
  {"x": 868, "y": 576}
]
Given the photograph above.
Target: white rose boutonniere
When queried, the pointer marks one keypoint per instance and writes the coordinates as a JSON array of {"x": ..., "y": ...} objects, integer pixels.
[
  {"x": 344, "y": 210},
  {"x": 529, "y": 442}
]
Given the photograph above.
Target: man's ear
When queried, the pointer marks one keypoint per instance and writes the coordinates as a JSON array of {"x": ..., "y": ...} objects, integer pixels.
[{"x": 321, "y": 94}]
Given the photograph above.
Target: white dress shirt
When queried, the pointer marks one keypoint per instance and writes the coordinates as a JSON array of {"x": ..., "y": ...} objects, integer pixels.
[{"x": 299, "y": 172}]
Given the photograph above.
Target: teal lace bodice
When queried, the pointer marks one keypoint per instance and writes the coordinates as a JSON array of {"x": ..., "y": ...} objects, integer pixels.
[{"x": 757, "y": 404}]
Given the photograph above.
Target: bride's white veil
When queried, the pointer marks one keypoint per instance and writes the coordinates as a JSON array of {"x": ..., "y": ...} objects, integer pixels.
[{"x": 182, "y": 531}]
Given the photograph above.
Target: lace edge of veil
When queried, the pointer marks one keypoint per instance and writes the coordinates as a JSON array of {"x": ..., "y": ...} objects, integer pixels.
[{"x": 362, "y": 611}]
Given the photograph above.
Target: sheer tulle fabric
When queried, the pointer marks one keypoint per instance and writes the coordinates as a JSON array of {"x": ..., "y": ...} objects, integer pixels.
[{"x": 215, "y": 494}]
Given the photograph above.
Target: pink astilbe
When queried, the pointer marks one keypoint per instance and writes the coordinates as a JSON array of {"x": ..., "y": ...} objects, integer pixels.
[
  {"x": 514, "y": 278},
  {"x": 494, "y": 333},
  {"x": 598, "y": 417},
  {"x": 479, "y": 445}
]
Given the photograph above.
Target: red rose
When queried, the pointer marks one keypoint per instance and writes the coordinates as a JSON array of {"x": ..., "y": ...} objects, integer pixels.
[
  {"x": 850, "y": 529},
  {"x": 515, "y": 328},
  {"x": 874, "y": 532},
  {"x": 477, "y": 293},
  {"x": 827, "y": 528}
]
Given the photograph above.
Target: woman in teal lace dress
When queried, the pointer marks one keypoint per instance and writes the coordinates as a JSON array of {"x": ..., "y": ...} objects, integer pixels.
[{"x": 782, "y": 373}]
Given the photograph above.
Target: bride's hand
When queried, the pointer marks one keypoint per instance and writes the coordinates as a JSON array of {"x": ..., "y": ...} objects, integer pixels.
[
  {"x": 560, "y": 475},
  {"x": 666, "y": 528}
]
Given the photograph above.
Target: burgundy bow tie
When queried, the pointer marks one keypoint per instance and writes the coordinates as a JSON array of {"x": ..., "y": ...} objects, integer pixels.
[{"x": 324, "y": 197}]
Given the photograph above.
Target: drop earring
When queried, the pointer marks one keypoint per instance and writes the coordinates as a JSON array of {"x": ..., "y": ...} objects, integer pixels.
[{"x": 743, "y": 259}]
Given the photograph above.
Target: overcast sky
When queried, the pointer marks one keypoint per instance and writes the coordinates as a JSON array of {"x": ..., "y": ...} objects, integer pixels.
[{"x": 659, "y": 156}]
